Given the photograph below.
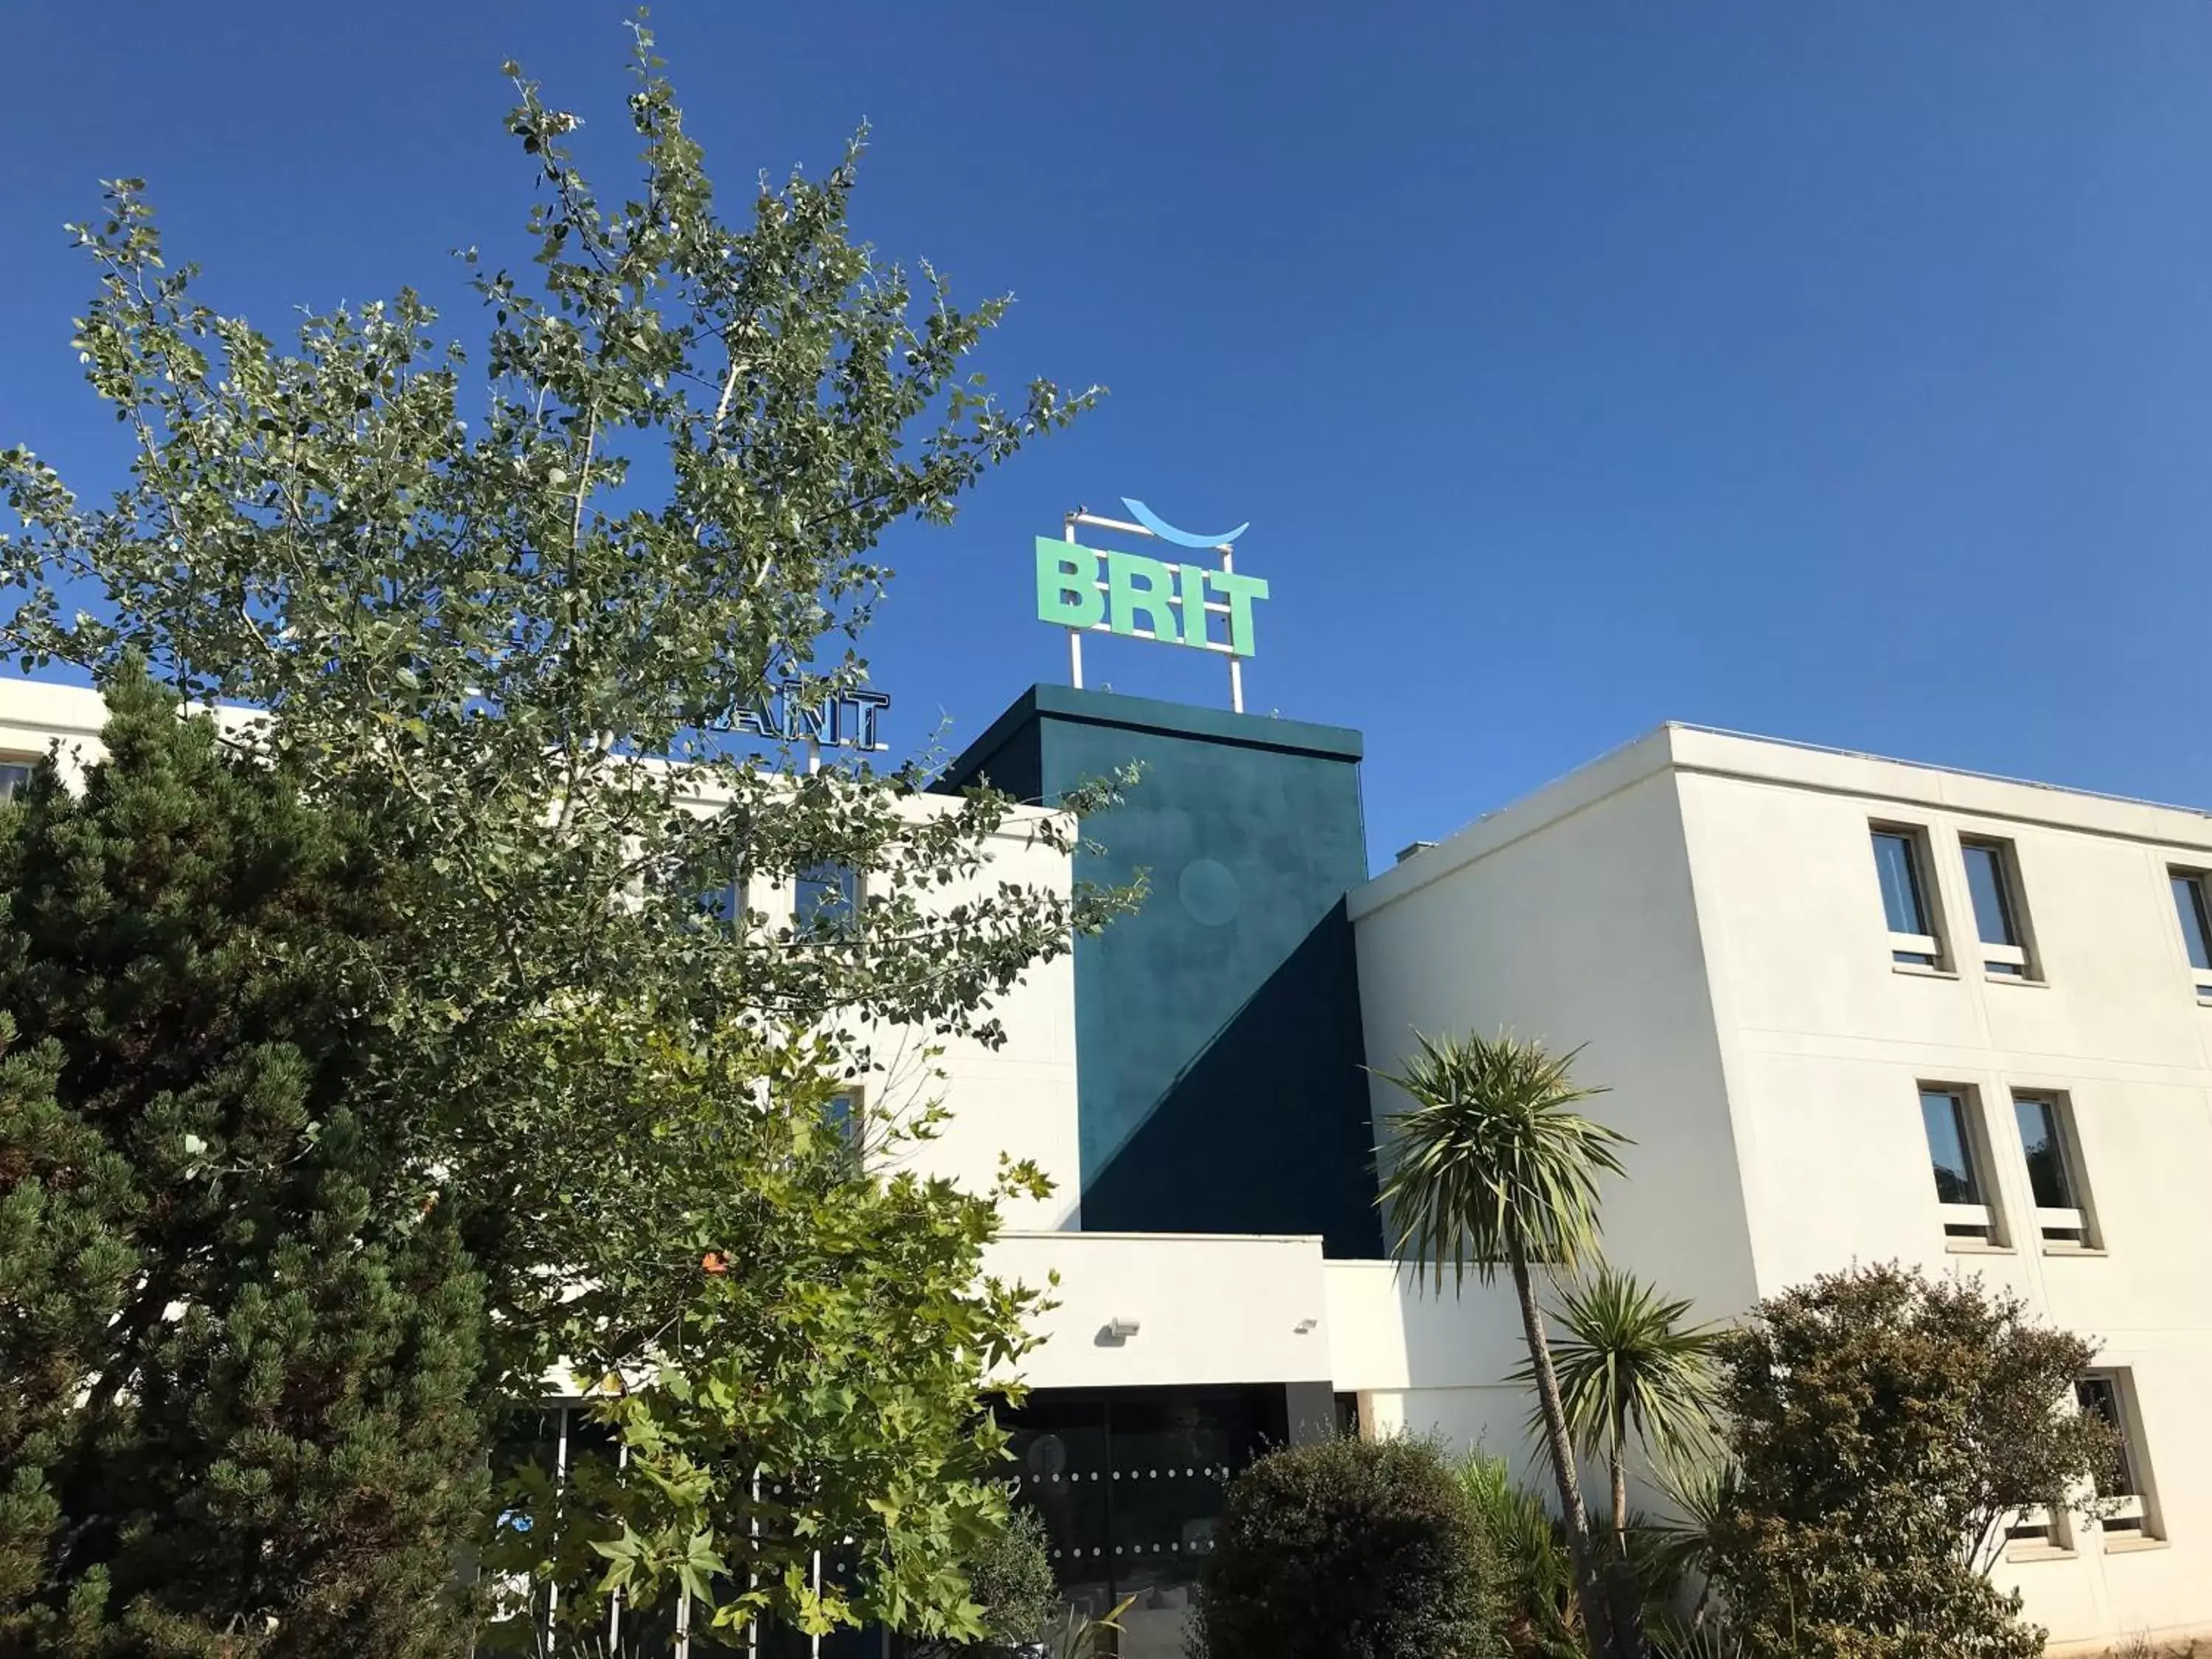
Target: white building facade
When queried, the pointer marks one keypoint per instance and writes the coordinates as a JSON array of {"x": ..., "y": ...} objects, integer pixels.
[
  {"x": 1849, "y": 1010},
  {"x": 1856, "y": 1010}
]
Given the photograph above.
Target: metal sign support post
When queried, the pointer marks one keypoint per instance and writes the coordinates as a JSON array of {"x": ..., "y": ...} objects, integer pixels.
[
  {"x": 1210, "y": 607},
  {"x": 1074, "y": 634},
  {"x": 1236, "y": 662}
]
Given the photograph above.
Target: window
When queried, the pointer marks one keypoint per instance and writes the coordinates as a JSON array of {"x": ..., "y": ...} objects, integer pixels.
[
  {"x": 828, "y": 900},
  {"x": 1901, "y": 866},
  {"x": 2046, "y": 1136},
  {"x": 842, "y": 1114},
  {"x": 2033, "y": 1532},
  {"x": 2108, "y": 1394},
  {"x": 2189, "y": 903},
  {"x": 1993, "y": 882},
  {"x": 1130, "y": 1482},
  {"x": 15, "y": 772},
  {"x": 725, "y": 903},
  {"x": 1947, "y": 1117},
  {"x": 1347, "y": 1416}
]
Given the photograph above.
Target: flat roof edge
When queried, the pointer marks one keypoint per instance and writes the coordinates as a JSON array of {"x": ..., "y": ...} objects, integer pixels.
[
  {"x": 1684, "y": 747},
  {"x": 1837, "y": 753},
  {"x": 1113, "y": 709}
]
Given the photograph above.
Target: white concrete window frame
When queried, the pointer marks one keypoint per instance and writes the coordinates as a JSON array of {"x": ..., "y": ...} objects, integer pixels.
[
  {"x": 2133, "y": 1520},
  {"x": 15, "y": 768},
  {"x": 2070, "y": 1230},
  {"x": 1976, "y": 1228},
  {"x": 828, "y": 901},
  {"x": 1927, "y": 952},
  {"x": 845, "y": 1112},
  {"x": 2036, "y": 1534},
  {"x": 2004, "y": 962},
  {"x": 2191, "y": 885}
]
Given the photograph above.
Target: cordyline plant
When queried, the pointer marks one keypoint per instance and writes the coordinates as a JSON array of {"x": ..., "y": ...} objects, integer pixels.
[
  {"x": 1493, "y": 1167},
  {"x": 1629, "y": 1365},
  {"x": 524, "y": 646}
]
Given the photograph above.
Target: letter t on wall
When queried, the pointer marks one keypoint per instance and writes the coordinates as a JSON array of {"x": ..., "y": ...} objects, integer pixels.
[{"x": 1241, "y": 592}]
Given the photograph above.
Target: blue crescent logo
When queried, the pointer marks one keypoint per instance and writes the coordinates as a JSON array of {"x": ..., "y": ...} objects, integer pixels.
[{"x": 1167, "y": 533}]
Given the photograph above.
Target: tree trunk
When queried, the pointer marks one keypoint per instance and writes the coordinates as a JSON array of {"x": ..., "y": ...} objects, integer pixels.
[
  {"x": 1596, "y": 1592},
  {"x": 1626, "y": 1605},
  {"x": 1619, "y": 1460}
]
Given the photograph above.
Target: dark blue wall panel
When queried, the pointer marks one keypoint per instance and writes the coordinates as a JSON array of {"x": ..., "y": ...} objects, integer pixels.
[{"x": 1218, "y": 1028}]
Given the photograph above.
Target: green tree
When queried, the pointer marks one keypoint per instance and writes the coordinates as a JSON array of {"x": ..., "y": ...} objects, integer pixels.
[
  {"x": 63, "y": 1263},
  {"x": 239, "y": 1343},
  {"x": 825, "y": 1333},
  {"x": 1886, "y": 1427},
  {"x": 1493, "y": 1167},
  {"x": 1011, "y": 1579},
  {"x": 1349, "y": 1549},
  {"x": 526, "y": 648},
  {"x": 1628, "y": 1367}
]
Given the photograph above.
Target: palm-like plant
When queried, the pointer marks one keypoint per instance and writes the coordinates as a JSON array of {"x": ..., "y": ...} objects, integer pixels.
[
  {"x": 1079, "y": 1638},
  {"x": 1543, "y": 1615},
  {"x": 1674, "y": 1548},
  {"x": 1628, "y": 1366},
  {"x": 1493, "y": 1166}
]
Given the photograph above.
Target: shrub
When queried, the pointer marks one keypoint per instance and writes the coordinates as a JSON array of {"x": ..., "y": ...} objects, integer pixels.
[
  {"x": 1011, "y": 1579},
  {"x": 1348, "y": 1549},
  {"x": 1884, "y": 1426}
]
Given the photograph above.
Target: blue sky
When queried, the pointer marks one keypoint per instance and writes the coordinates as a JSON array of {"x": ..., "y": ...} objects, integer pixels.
[{"x": 1840, "y": 372}]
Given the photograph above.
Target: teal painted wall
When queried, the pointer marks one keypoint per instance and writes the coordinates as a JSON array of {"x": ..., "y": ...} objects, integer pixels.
[{"x": 1218, "y": 1037}]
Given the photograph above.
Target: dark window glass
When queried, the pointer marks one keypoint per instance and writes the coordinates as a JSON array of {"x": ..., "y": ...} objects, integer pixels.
[
  {"x": 1949, "y": 1148},
  {"x": 2195, "y": 928},
  {"x": 828, "y": 900},
  {"x": 1059, "y": 1447},
  {"x": 1130, "y": 1483},
  {"x": 650, "y": 1632},
  {"x": 2101, "y": 1395},
  {"x": 517, "y": 1610},
  {"x": 727, "y": 903},
  {"x": 1898, "y": 867},
  {"x": 2047, "y": 1154},
  {"x": 1172, "y": 1461},
  {"x": 842, "y": 1114},
  {"x": 1348, "y": 1415},
  {"x": 14, "y": 778},
  {"x": 1986, "y": 880},
  {"x": 560, "y": 1440}
]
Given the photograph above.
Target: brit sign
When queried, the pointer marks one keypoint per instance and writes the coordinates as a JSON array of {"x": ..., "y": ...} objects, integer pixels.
[
  {"x": 1088, "y": 589},
  {"x": 1146, "y": 599}
]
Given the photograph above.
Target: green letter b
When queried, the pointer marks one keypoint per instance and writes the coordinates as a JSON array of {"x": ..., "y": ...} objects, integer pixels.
[{"x": 1068, "y": 584}]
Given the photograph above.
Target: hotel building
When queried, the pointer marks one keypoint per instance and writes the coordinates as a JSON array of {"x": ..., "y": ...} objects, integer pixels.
[{"x": 1849, "y": 1010}]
